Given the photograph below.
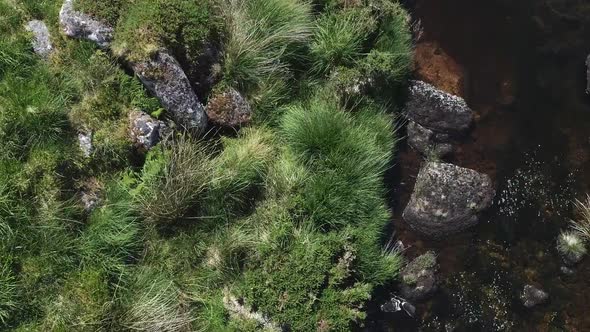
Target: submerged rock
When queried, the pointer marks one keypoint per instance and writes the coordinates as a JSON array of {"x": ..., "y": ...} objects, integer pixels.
[
  {"x": 85, "y": 142},
  {"x": 435, "y": 119},
  {"x": 164, "y": 78},
  {"x": 435, "y": 66},
  {"x": 418, "y": 277},
  {"x": 229, "y": 109},
  {"x": 42, "y": 40},
  {"x": 82, "y": 26},
  {"x": 427, "y": 141},
  {"x": 397, "y": 304},
  {"x": 532, "y": 296},
  {"x": 145, "y": 131},
  {"x": 447, "y": 199}
]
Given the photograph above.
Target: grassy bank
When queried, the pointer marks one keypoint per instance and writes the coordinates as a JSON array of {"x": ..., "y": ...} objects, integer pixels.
[{"x": 286, "y": 216}]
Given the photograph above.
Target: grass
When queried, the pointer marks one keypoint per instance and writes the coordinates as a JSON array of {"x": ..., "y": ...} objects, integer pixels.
[
  {"x": 571, "y": 246},
  {"x": 582, "y": 223},
  {"x": 175, "y": 178},
  {"x": 285, "y": 215},
  {"x": 339, "y": 39}
]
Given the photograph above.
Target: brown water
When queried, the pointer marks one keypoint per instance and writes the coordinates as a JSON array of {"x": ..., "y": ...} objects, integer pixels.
[{"x": 522, "y": 65}]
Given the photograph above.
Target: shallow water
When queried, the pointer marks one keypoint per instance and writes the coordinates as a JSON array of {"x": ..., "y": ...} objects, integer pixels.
[{"x": 524, "y": 75}]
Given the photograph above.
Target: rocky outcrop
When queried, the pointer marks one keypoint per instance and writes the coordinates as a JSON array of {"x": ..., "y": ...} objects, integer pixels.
[
  {"x": 82, "y": 26},
  {"x": 435, "y": 118},
  {"x": 229, "y": 109},
  {"x": 419, "y": 277},
  {"x": 447, "y": 199},
  {"x": 165, "y": 79},
  {"x": 41, "y": 38},
  {"x": 145, "y": 131},
  {"x": 532, "y": 296}
]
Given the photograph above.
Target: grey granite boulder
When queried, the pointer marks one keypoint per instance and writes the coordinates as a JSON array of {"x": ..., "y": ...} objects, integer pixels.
[
  {"x": 41, "y": 38},
  {"x": 145, "y": 131},
  {"x": 427, "y": 141},
  {"x": 436, "y": 118},
  {"x": 165, "y": 79},
  {"x": 229, "y": 109},
  {"x": 82, "y": 26},
  {"x": 437, "y": 110},
  {"x": 532, "y": 296},
  {"x": 418, "y": 278},
  {"x": 447, "y": 199},
  {"x": 397, "y": 304}
]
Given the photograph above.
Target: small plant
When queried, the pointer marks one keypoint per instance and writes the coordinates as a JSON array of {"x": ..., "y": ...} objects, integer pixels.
[{"x": 571, "y": 246}]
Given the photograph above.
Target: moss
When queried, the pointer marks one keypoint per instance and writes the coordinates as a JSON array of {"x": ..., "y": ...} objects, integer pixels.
[
  {"x": 83, "y": 303},
  {"x": 413, "y": 270},
  {"x": 146, "y": 26},
  {"x": 107, "y": 10}
]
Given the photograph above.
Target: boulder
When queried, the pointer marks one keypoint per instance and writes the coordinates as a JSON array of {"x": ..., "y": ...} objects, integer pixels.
[
  {"x": 165, "y": 79},
  {"x": 435, "y": 119},
  {"x": 85, "y": 142},
  {"x": 41, "y": 38},
  {"x": 229, "y": 109},
  {"x": 532, "y": 296},
  {"x": 145, "y": 131},
  {"x": 419, "y": 277},
  {"x": 427, "y": 141},
  {"x": 447, "y": 199},
  {"x": 437, "y": 110},
  {"x": 82, "y": 26}
]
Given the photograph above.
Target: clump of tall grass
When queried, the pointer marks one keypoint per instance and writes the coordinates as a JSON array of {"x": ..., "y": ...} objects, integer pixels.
[
  {"x": 262, "y": 36},
  {"x": 339, "y": 39},
  {"x": 239, "y": 171},
  {"x": 154, "y": 303},
  {"x": 174, "y": 179},
  {"x": 582, "y": 223}
]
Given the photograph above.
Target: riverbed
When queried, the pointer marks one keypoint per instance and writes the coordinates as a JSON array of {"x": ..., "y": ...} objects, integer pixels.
[{"x": 520, "y": 66}]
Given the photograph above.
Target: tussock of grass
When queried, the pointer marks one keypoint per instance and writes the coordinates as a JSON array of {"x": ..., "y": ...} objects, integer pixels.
[
  {"x": 582, "y": 223},
  {"x": 339, "y": 39},
  {"x": 262, "y": 36},
  {"x": 154, "y": 303},
  {"x": 174, "y": 180}
]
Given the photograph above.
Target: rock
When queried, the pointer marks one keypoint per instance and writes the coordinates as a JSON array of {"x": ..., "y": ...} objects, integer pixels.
[
  {"x": 397, "y": 304},
  {"x": 229, "y": 109},
  {"x": 90, "y": 194},
  {"x": 435, "y": 66},
  {"x": 447, "y": 199},
  {"x": 42, "y": 40},
  {"x": 82, "y": 26},
  {"x": 85, "y": 142},
  {"x": 145, "y": 131},
  {"x": 427, "y": 141},
  {"x": 418, "y": 277},
  {"x": 532, "y": 296},
  {"x": 438, "y": 110},
  {"x": 164, "y": 78},
  {"x": 567, "y": 270}
]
